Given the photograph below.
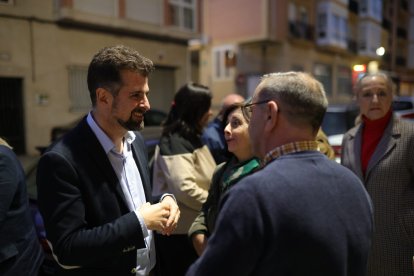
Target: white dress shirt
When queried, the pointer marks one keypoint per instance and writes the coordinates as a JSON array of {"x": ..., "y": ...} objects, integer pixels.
[{"x": 130, "y": 180}]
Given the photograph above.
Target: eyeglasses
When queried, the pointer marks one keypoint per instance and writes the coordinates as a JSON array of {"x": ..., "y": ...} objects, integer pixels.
[{"x": 247, "y": 108}]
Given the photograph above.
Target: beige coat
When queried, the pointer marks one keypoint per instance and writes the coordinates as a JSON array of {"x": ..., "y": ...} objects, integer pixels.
[{"x": 188, "y": 177}]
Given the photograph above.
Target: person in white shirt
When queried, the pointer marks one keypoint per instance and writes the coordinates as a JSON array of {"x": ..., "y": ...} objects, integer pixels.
[{"x": 94, "y": 187}]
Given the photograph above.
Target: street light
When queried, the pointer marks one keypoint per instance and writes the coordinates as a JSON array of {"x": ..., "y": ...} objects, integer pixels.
[{"x": 380, "y": 51}]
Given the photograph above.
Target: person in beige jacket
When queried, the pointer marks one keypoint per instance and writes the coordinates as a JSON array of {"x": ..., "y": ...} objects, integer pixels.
[{"x": 183, "y": 166}]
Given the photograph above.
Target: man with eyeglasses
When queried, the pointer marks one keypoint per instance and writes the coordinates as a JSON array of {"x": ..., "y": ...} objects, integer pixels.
[{"x": 301, "y": 214}]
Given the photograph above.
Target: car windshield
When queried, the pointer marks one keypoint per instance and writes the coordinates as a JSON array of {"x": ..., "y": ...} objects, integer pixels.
[
  {"x": 402, "y": 105},
  {"x": 334, "y": 123},
  {"x": 338, "y": 122}
]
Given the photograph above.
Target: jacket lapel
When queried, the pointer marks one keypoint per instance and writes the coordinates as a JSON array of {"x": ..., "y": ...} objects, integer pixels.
[
  {"x": 95, "y": 152},
  {"x": 141, "y": 160},
  {"x": 355, "y": 149},
  {"x": 387, "y": 143}
]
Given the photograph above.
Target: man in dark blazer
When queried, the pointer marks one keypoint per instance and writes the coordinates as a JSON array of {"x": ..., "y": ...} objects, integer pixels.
[
  {"x": 301, "y": 213},
  {"x": 20, "y": 251},
  {"x": 94, "y": 189}
]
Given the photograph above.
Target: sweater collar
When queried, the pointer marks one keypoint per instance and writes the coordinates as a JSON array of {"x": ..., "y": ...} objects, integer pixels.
[{"x": 380, "y": 123}]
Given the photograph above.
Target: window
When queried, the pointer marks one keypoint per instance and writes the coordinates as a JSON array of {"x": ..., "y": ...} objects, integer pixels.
[
  {"x": 344, "y": 81},
  {"x": 411, "y": 57},
  {"x": 183, "y": 14},
  {"x": 369, "y": 38},
  {"x": 337, "y": 27},
  {"x": 292, "y": 12},
  {"x": 224, "y": 62},
  {"x": 371, "y": 8},
  {"x": 362, "y": 43},
  {"x": 363, "y": 6},
  {"x": 322, "y": 25},
  {"x": 78, "y": 89},
  {"x": 304, "y": 15},
  {"x": 323, "y": 73},
  {"x": 97, "y": 7},
  {"x": 6, "y": 2}
]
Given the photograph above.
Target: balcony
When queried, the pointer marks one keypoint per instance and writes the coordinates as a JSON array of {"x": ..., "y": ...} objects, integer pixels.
[
  {"x": 130, "y": 20},
  {"x": 301, "y": 30}
]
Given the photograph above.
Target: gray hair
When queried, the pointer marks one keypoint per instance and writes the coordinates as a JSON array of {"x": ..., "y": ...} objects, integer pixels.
[
  {"x": 388, "y": 80},
  {"x": 302, "y": 97}
]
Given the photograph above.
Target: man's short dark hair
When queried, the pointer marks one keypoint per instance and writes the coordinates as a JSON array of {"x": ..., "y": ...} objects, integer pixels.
[{"x": 106, "y": 65}]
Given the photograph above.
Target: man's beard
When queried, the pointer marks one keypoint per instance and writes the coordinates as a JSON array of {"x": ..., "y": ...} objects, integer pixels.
[{"x": 132, "y": 124}]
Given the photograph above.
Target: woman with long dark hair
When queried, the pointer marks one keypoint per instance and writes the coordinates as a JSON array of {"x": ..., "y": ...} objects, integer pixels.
[{"x": 183, "y": 166}]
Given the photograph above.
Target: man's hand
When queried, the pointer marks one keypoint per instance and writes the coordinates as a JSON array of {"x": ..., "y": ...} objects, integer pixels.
[
  {"x": 199, "y": 243},
  {"x": 173, "y": 217},
  {"x": 155, "y": 216}
]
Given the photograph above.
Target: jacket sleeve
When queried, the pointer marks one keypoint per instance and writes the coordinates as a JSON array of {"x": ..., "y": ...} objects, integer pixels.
[
  {"x": 235, "y": 239},
  {"x": 8, "y": 184},
  {"x": 200, "y": 224},
  {"x": 63, "y": 202},
  {"x": 179, "y": 175}
]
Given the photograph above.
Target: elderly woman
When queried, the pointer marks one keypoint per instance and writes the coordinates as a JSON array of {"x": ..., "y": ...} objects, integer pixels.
[{"x": 379, "y": 151}]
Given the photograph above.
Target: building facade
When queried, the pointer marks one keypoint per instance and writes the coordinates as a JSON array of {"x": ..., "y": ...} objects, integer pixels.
[
  {"x": 245, "y": 39},
  {"x": 46, "y": 46}
]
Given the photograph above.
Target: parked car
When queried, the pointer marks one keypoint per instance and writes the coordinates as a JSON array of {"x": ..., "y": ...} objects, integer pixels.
[
  {"x": 403, "y": 103},
  {"x": 338, "y": 119},
  {"x": 151, "y": 134},
  {"x": 403, "y": 107}
]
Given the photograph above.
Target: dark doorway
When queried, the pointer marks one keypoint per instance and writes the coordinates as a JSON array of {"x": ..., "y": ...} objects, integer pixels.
[{"x": 12, "y": 113}]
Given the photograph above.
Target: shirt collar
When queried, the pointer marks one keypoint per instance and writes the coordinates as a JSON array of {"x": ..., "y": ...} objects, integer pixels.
[
  {"x": 289, "y": 148},
  {"x": 103, "y": 139}
]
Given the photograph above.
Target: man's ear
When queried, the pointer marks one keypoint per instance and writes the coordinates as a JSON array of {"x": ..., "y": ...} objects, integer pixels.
[
  {"x": 272, "y": 114},
  {"x": 102, "y": 95}
]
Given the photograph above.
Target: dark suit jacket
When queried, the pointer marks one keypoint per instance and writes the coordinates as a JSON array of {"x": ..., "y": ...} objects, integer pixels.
[
  {"x": 86, "y": 217},
  {"x": 20, "y": 251},
  {"x": 389, "y": 180}
]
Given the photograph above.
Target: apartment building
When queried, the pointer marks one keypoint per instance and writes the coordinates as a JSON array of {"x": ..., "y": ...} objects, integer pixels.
[
  {"x": 244, "y": 39},
  {"x": 46, "y": 46}
]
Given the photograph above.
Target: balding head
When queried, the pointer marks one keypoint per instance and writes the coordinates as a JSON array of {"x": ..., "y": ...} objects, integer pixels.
[{"x": 229, "y": 100}]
